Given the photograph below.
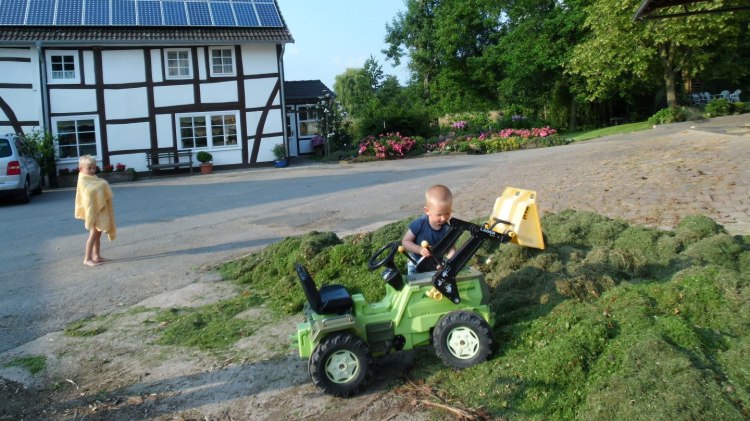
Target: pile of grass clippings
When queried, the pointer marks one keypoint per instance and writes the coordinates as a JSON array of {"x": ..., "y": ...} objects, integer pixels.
[{"x": 610, "y": 321}]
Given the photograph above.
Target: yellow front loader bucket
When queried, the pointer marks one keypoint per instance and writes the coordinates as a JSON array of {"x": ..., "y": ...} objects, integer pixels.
[{"x": 515, "y": 213}]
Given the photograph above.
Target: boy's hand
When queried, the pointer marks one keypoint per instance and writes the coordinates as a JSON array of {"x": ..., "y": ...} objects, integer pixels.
[{"x": 425, "y": 249}]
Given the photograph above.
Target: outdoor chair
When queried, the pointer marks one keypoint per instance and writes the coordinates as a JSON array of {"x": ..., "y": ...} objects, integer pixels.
[
  {"x": 708, "y": 97},
  {"x": 698, "y": 99},
  {"x": 735, "y": 96},
  {"x": 723, "y": 94}
]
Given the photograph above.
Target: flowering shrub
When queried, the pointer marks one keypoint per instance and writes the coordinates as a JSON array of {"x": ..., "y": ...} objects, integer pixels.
[
  {"x": 460, "y": 125},
  {"x": 120, "y": 167},
  {"x": 387, "y": 146},
  {"x": 317, "y": 141},
  {"x": 108, "y": 168},
  {"x": 504, "y": 140},
  {"x": 68, "y": 171}
]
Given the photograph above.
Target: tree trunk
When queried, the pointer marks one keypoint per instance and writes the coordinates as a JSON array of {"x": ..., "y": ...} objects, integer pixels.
[
  {"x": 573, "y": 118},
  {"x": 670, "y": 77}
]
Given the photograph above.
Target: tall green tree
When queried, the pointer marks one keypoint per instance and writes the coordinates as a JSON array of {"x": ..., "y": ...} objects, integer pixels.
[
  {"x": 443, "y": 40},
  {"x": 621, "y": 55},
  {"x": 356, "y": 87}
]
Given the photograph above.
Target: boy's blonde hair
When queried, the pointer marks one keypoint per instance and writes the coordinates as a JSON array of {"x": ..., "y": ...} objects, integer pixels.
[
  {"x": 438, "y": 195},
  {"x": 86, "y": 160}
]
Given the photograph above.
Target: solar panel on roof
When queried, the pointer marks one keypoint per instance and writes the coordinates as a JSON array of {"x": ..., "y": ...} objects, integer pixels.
[
  {"x": 96, "y": 12},
  {"x": 246, "y": 14},
  {"x": 149, "y": 13},
  {"x": 123, "y": 12},
  {"x": 222, "y": 13},
  {"x": 41, "y": 12},
  {"x": 198, "y": 14},
  {"x": 268, "y": 14},
  {"x": 69, "y": 12},
  {"x": 174, "y": 13},
  {"x": 211, "y": 13},
  {"x": 12, "y": 12}
]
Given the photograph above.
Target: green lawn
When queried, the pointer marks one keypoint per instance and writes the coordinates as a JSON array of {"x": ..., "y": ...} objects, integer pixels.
[{"x": 607, "y": 131}]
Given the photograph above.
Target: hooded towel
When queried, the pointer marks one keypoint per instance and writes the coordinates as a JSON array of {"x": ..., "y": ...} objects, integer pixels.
[{"x": 94, "y": 204}]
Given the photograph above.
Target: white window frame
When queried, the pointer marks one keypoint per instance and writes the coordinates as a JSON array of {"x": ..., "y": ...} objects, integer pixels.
[
  {"x": 210, "y": 131},
  {"x": 223, "y": 71},
  {"x": 96, "y": 143},
  {"x": 311, "y": 120},
  {"x": 189, "y": 62},
  {"x": 54, "y": 76}
]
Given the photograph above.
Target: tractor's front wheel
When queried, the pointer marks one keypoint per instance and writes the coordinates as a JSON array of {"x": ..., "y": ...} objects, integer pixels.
[
  {"x": 462, "y": 339},
  {"x": 340, "y": 364}
]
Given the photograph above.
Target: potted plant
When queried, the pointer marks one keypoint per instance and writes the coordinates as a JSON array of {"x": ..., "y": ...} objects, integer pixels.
[
  {"x": 205, "y": 159},
  {"x": 279, "y": 151},
  {"x": 318, "y": 144}
]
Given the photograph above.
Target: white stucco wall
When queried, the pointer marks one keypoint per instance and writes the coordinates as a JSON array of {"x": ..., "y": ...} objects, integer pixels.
[
  {"x": 259, "y": 59},
  {"x": 128, "y": 136},
  {"x": 164, "y": 124},
  {"x": 123, "y": 66},
  {"x": 258, "y": 90},
  {"x": 26, "y": 103},
  {"x": 72, "y": 100},
  {"x": 126, "y": 103},
  {"x": 156, "y": 66},
  {"x": 218, "y": 92},
  {"x": 89, "y": 70},
  {"x": 18, "y": 72},
  {"x": 23, "y": 102},
  {"x": 165, "y": 96}
]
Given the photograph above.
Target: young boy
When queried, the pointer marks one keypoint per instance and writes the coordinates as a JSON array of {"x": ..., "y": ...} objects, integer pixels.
[
  {"x": 430, "y": 227},
  {"x": 94, "y": 206}
]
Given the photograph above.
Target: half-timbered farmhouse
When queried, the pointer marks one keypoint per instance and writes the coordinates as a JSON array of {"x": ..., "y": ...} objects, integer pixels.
[{"x": 119, "y": 78}]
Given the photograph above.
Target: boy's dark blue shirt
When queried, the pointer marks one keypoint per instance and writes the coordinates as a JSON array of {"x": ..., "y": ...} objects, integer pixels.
[{"x": 422, "y": 231}]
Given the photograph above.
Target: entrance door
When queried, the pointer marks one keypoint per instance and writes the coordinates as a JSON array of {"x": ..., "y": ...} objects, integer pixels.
[{"x": 291, "y": 130}]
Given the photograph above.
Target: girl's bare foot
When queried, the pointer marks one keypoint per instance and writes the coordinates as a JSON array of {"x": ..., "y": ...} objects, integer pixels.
[
  {"x": 90, "y": 263},
  {"x": 100, "y": 259}
]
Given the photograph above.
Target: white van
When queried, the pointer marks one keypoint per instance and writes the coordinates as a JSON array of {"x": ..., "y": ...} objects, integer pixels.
[{"x": 20, "y": 173}]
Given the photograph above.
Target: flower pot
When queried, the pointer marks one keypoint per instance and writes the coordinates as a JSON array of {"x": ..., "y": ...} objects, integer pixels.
[
  {"x": 207, "y": 168},
  {"x": 280, "y": 163}
]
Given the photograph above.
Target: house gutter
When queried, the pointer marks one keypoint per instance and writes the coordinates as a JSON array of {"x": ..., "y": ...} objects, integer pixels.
[
  {"x": 283, "y": 99},
  {"x": 45, "y": 123}
]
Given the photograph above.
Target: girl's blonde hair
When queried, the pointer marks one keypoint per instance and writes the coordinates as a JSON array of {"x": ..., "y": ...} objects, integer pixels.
[{"x": 86, "y": 160}]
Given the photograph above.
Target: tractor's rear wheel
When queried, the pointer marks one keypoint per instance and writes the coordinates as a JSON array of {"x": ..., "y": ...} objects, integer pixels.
[
  {"x": 340, "y": 364},
  {"x": 462, "y": 339}
]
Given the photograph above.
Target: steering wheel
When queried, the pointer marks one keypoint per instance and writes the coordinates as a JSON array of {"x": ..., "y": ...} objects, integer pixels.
[{"x": 374, "y": 263}]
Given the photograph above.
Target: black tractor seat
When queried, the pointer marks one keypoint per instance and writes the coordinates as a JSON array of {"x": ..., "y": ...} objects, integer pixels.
[{"x": 330, "y": 299}]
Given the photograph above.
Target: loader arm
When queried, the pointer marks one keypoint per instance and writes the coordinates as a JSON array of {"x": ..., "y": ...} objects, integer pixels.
[{"x": 515, "y": 218}]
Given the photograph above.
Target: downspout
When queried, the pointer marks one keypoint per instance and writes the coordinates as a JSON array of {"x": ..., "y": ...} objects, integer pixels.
[
  {"x": 46, "y": 123},
  {"x": 43, "y": 87},
  {"x": 283, "y": 100}
]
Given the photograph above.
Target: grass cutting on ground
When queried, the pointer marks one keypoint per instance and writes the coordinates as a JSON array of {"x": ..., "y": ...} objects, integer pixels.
[{"x": 611, "y": 320}]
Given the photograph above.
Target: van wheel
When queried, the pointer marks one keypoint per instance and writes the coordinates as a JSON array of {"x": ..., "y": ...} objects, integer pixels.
[
  {"x": 462, "y": 339},
  {"x": 25, "y": 196},
  {"x": 340, "y": 364}
]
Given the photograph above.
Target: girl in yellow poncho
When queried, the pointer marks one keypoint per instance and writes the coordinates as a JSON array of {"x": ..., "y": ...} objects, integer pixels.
[{"x": 94, "y": 206}]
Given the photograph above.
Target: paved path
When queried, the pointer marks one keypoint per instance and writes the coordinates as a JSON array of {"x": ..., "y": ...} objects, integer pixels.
[{"x": 169, "y": 227}]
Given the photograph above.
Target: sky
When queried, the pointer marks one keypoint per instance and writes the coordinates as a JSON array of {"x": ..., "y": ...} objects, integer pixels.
[{"x": 331, "y": 36}]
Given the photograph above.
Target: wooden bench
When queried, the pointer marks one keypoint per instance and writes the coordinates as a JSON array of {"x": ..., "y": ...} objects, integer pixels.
[{"x": 172, "y": 160}]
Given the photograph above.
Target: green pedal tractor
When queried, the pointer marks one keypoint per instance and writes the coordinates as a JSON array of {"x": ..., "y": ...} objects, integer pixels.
[{"x": 445, "y": 302}]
